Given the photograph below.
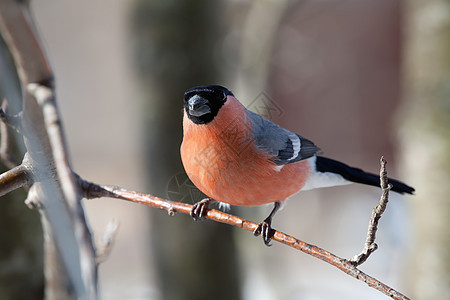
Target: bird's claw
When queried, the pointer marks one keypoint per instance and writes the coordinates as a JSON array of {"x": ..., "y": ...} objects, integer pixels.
[
  {"x": 199, "y": 209},
  {"x": 265, "y": 230}
]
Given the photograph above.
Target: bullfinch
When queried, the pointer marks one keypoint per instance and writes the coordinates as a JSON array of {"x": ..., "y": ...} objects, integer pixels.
[{"x": 236, "y": 156}]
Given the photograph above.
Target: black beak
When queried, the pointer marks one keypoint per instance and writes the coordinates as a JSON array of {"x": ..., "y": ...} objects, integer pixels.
[{"x": 198, "y": 106}]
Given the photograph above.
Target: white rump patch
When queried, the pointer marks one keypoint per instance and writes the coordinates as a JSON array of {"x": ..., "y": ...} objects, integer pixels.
[{"x": 322, "y": 179}]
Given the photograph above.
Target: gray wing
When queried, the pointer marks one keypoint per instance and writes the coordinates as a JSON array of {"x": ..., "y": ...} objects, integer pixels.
[{"x": 285, "y": 146}]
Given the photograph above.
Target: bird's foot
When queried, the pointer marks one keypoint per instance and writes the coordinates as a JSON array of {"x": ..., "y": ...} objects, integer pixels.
[
  {"x": 200, "y": 208},
  {"x": 265, "y": 230}
]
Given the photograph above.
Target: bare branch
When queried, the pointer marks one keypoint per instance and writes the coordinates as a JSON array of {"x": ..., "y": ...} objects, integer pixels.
[
  {"x": 370, "y": 246},
  {"x": 45, "y": 98},
  {"x": 43, "y": 137},
  {"x": 18, "y": 30},
  {"x": 58, "y": 282},
  {"x": 92, "y": 190},
  {"x": 15, "y": 178}
]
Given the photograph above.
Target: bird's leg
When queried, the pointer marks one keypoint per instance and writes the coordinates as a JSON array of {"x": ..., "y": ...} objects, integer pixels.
[
  {"x": 198, "y": 211},
  {"x": 264, "y": 228}
]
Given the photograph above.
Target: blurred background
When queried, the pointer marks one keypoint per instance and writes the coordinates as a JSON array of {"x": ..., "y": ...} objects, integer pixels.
[{"x": 361, "y": 79}]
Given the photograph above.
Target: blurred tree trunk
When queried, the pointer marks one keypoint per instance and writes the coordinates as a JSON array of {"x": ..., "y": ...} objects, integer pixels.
[
  {"x": 175, "y": 46},
  {"x": 425, "y": 133}
]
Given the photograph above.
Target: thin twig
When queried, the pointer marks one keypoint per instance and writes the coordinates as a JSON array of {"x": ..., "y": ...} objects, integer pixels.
[
  {"x": 370, "y": 246},
  {"x": 173, "y": 207},
  {"x": 15, "y": 178}
]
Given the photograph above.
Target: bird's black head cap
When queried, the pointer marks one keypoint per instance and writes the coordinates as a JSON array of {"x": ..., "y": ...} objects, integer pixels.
[{"x": 202, "y": 103}]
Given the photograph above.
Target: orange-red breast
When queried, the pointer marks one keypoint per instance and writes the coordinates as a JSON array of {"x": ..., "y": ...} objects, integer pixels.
[{"x": 237, "y": 157}]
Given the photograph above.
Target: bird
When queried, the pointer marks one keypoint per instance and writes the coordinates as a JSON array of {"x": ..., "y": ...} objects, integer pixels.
[{"x": 237, "y": 157}]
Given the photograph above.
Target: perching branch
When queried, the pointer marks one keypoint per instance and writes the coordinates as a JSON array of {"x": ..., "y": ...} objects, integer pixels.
[
  {"x": 370, "y": 246},
  {"x": 92, "y": 190}
]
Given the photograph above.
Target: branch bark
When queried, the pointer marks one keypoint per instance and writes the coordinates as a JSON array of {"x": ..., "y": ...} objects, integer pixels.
[{"x": 15, "y": 178}]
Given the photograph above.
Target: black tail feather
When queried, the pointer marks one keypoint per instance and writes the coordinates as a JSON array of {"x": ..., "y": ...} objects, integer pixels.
[{"x": 324, "y": 164}]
